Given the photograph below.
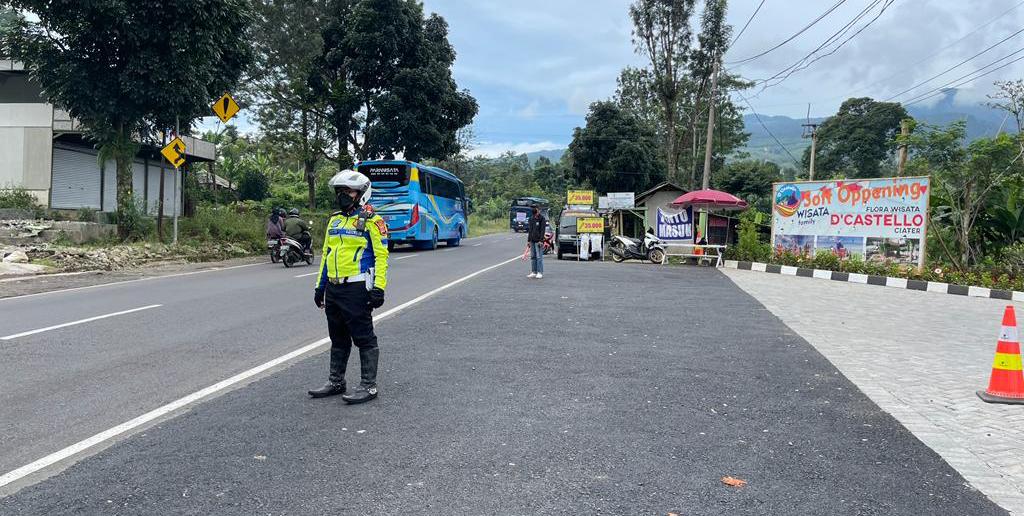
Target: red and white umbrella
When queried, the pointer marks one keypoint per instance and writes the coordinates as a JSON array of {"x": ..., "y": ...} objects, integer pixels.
[{"x": 710, "y": 199}]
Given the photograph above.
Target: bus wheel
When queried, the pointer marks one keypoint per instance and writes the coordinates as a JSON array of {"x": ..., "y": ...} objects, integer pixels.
[
  {"x": 431, "y": 244},
  {"x": 454, "y": 242}
]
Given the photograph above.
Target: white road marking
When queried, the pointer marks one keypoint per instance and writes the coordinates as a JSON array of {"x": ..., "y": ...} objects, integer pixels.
[
  {"x": 197, "y": 396},
  {"x": 72, "y": 323},
  {"x": 477, "y": 245},
  {"x": 407, "y": 256},
  {"x": 310, "y": 274},
  {"x": 132, "y": 281}
]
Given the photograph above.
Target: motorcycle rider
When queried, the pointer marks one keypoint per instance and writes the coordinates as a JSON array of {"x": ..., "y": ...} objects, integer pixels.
[
  {"x": 353, "y": 275},
  {"x": 298, "y": 229}
]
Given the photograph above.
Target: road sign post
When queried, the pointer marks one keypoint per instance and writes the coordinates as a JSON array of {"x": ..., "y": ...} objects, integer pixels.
[{"x": 174, "y": 152}]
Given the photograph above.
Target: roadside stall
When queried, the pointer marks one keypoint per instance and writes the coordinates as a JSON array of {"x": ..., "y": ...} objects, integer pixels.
[{"x": 704, "y": 201}]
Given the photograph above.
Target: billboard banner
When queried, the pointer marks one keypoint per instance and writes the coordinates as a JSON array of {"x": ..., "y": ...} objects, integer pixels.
[
  {"x": 880, "y": 219},
  {"x": 580, "y": 198},
  {"x": 617, "y": 201},
  {"x": 675, "y": 226},
  {"x": 590, "y": 225}
]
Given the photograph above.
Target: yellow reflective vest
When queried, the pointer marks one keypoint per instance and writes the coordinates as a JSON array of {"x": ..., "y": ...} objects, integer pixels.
[{"x": 350, "y": 252}]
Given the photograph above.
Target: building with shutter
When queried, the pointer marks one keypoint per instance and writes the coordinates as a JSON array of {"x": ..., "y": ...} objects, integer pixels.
[{"x": 45, "y": 151}]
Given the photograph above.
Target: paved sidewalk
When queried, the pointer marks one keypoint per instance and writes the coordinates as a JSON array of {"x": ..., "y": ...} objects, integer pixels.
[{"x": 920, "y": 356}]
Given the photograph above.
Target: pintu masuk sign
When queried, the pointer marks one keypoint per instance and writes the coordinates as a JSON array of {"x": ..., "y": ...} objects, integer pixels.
[{"x": 675, "y": 226}]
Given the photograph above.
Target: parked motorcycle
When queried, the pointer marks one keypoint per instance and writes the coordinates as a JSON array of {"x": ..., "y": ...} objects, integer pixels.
[
  {"x": 549, "y": 240},
  {"x": 651, "y": 248},
  {"x": 291, "y": 252}
]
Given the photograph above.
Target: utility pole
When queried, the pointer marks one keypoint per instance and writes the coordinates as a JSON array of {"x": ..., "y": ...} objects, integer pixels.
[
  {"x": 711, "y": 126},
  {"x": 904, "y": 131},
  {"x": 177, "y": 193},
  {"x": 813, "y": 135}
]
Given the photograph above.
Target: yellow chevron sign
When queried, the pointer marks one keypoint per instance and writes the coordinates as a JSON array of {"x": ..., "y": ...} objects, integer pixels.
[{"x": 175, "y": 152}]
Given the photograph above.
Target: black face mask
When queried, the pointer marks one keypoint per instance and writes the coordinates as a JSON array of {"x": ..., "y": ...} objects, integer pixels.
[{"x": 345, "y": 202}]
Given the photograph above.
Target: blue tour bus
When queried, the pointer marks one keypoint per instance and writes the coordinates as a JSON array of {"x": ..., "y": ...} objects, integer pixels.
[{"x": 422, "y": 205}]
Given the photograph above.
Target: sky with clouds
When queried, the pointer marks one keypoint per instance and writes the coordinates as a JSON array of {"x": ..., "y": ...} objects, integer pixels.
[{"x": 536, "y": 65}]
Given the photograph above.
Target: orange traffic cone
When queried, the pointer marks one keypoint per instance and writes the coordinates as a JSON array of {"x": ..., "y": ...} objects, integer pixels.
[{"x": 1007, "y": 383}]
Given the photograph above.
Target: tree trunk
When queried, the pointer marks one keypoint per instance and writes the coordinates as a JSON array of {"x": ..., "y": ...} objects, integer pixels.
[
  {"x": 311, "y": 180},
  {"x": 693, "y": 151},
  {"x": 965, "y": 239},
  {"x": 671, "y": 155},
  {"x": 124, "y": 179}
]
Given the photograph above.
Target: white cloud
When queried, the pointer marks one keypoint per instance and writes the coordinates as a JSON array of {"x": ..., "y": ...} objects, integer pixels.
[
  {"x": 530, "y": 111},
  {"x": 493, "y": 150}
]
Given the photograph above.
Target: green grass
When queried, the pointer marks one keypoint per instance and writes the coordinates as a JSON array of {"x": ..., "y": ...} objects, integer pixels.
[{"x": 481, "y": 227}]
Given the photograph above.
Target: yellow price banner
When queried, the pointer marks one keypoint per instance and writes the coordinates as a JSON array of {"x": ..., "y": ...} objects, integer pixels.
[
  {"x": 580, "y": 198},
  {"x": 590, "y": 225}
]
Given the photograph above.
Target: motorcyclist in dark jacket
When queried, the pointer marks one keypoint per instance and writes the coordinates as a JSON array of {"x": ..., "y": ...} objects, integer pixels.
[{"x": 298, "y": 229}]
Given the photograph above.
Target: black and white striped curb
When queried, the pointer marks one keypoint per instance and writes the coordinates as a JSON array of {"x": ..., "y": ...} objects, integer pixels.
[{"x": 883, "y": 281}]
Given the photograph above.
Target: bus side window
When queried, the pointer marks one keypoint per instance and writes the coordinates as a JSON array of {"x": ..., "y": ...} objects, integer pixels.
[{"x": 425, "y": 184}]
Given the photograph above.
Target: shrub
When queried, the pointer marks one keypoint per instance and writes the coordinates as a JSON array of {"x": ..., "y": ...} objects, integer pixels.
[
  {"x": 136, "y": 224},
  {"x": 224, "y": 225},
  {"x": 18, "y": 198},
  {"x": 86, "y": 215},
  {"x": 827, "y": 260},
  {"x": 750, "y": 246},
  {"x": 253, "y": 186}
]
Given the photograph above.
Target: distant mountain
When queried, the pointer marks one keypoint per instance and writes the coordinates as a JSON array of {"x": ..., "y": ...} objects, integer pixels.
[
  {"x": 981, "y": 121},
  {"x": 555, "y": 155}
]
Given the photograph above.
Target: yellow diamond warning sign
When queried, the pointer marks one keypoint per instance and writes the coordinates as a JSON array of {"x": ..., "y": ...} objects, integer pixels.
[
  {"x": 225, "y": 108},
  {"x": 175, "y": 152}
]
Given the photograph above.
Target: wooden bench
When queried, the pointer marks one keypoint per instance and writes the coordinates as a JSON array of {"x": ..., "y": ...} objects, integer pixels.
[{"x": 704, "y": 254}]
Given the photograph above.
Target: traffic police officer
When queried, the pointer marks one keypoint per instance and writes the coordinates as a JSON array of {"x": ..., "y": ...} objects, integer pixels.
[{"x": 353, "y": 275}]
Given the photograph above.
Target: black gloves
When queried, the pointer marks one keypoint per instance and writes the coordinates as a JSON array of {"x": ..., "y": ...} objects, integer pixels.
[
  {"x": 376, "y": 297},
  {"x": 318, "y": 297}
]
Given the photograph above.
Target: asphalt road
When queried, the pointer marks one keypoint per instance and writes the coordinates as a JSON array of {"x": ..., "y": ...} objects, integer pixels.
[
  {"x": 63, "y": 385},
  {"x": 601, "y": 389}
]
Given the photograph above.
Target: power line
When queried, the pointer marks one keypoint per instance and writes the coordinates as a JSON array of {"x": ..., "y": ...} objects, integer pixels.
[
  {"x": 933, "y": 54},
  {"x": 794, "y": 36},
  {"x": 758, "y": 117},
  {"x": 954, "y": 67},
  {"x": 938, "y": 91},
  {"x": 811, "y": 58},
  {"x": 731, "y": 43}
]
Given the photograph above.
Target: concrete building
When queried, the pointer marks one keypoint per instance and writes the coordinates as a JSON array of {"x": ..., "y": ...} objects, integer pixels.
[{"x": 45, "y": 151}]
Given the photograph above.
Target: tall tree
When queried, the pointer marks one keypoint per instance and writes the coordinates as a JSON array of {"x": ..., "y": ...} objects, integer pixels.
[
  {"x": 967, "y": 177},
  {"x": 751, "y": 180},
  {"x": 614, "y": 152},
  {"x": 386, "y": 72},
  {"x": 712, "y": 42},
  {"x": 290, "y": 112},
  {"x": 661, "y": 32},
  {"x": 124, "y": 68},
  {"x": 636, "y": 96},
  {"x": 857, "y": 140}
]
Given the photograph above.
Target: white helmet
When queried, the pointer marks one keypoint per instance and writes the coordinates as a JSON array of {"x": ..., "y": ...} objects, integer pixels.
[{"x": 353, "y": 180}]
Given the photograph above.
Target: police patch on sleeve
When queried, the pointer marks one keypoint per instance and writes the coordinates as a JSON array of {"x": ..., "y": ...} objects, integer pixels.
[{"x": 382, "y": 227}]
